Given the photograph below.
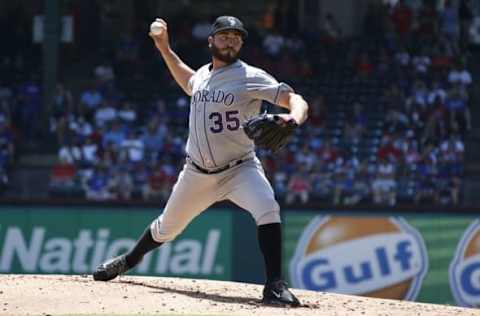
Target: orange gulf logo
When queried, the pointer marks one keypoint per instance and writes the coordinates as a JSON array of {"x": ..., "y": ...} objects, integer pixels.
[
  {"x": 464, "y": 269},
  {"x": 380, "y": 257}
]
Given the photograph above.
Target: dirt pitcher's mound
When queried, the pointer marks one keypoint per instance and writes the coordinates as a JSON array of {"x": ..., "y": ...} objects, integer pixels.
[{"x": 77, "y": 295}]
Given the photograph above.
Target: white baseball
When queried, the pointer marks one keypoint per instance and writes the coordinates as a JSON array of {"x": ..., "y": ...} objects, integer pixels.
[{"x": 156, "y": 28}]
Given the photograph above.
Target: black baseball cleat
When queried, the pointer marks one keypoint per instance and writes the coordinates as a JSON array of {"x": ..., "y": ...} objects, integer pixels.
[
  {"x": 277, "y": 293},
  {"x": 110, "y": 269}
]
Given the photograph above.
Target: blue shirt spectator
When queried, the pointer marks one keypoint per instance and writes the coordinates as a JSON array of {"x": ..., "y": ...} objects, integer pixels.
[{"x": 115, "y": 135}]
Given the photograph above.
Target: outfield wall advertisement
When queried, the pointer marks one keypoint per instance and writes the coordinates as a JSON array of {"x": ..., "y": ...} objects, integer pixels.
[
  {"x": 76, "y": 241},
  {"x": 421, "y": 258}
]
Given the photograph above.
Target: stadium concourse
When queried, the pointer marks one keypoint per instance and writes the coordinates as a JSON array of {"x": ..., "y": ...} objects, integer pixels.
[{"x": 388, "y": 120}]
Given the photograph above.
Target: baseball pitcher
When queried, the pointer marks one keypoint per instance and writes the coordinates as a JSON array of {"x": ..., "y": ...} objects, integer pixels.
[{"x": 224, "y": 128}]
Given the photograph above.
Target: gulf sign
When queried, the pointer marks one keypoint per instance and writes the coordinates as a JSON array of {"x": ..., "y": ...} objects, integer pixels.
[
  {"x": 370, "y": 256},
  {"x": 464, "y": 271}
]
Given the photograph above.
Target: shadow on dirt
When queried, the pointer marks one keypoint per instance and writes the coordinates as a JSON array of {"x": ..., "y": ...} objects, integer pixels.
[{"x": 197, "y": 294}]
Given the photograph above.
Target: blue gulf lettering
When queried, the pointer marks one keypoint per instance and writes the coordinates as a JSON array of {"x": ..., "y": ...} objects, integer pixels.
[
  {"x": 382, "y": 260},
  {"x": 466, "y": 277},
  {"x": 404, "y": 255},
  {"x": 328, "y": 277},
  {"x": 366, "y": 273}
]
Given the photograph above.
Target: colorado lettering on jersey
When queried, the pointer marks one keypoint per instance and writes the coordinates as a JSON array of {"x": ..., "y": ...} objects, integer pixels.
[{"x": 213, "y": 96}]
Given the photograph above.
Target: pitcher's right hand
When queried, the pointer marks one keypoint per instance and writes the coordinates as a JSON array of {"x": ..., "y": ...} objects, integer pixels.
[{"x": 161, "y": 38}]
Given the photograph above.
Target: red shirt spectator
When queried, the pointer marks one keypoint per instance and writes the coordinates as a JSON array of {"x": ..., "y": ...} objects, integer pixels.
[
  {"x": 96, "y": 136},
  {"x": 328, "y": 153},
  {"x": 364, "y": 66},
  {"x": 156, "y": 180},
  {"x": 270, "y": 164},
  {"x": 427, "y": 20},
  {"x": 299, "y": 184},
  {"x": 388, "y": 150},
  {"x": 290, "y": 158},
  {"x": 402, "y": 18},
  {"x": 62, "y": 173},
  {"x": 440, "y": 60}
]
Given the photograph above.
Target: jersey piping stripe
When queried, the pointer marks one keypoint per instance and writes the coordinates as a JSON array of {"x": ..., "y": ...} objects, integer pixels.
[
  {"x": 276, "y": 95},
  {"x": 206, "y": 135},
  {"x": 196, "y": 134}
]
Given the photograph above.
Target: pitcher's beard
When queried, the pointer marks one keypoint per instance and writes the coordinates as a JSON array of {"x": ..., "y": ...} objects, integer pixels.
[{"x": 225, "y": 57}]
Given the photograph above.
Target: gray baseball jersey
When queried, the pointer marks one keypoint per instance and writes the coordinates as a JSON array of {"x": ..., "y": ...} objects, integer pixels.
[{"x": 220, "y": 101}]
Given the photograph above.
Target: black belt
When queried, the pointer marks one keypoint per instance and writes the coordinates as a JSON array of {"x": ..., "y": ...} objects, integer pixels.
[{"x": 230, "y": 165}]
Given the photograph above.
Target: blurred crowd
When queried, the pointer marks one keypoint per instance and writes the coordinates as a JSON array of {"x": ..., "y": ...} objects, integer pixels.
[
  {"x": 409, "y": 111},
  {"x": 122, "y": 150},
  {"x": 389, "y": 111}
]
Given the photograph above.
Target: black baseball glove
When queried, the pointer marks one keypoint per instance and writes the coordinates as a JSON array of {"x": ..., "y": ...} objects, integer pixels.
[{"x": 269, "y": 131}]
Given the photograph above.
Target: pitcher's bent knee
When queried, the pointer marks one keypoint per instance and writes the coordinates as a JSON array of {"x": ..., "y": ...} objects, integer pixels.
[
  {"x": 267, "y": 212},
  {"x": 268, "y": 218},
  {"x": 160, "y": 233}
]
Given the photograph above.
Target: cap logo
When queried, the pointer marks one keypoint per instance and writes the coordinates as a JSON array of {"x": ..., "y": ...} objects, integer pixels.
[{"x": 231, "y": 21}]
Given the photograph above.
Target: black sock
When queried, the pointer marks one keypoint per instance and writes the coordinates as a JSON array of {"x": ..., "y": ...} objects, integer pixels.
[
  {"x": 143, "y": 245},
  {"x": 270, "y": 240}
]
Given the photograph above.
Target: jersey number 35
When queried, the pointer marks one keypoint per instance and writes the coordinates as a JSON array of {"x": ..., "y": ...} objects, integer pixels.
[{"x": 231, "y": 121}]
